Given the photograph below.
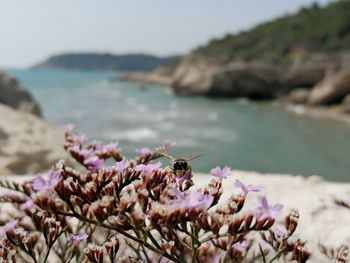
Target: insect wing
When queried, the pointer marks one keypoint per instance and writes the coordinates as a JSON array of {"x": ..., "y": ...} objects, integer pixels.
[{"x": 194, "y": 156}]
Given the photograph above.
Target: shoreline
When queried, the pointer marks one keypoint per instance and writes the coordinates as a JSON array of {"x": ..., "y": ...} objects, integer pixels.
[{"x": 337, "y": 112}]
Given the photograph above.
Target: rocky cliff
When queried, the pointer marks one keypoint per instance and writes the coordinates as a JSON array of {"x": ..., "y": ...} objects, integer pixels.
[
  {"x": 13, "y": 95},
  {"x": 28, "y": 144}
]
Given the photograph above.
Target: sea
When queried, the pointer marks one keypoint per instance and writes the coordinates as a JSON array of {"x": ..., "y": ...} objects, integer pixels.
[{"x": 242, "y": 134}]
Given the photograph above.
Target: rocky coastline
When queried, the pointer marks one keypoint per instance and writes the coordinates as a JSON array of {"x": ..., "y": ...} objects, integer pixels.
[
  {"x": 301, "y": 58},
  {"x": 319, "y": 82},
  {"x": 28, "y": 144},
  {"x": 15, "y": 96}
]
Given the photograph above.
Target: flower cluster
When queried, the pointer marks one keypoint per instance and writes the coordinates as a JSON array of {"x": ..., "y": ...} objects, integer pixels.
[{"x": 137, "y": 210}]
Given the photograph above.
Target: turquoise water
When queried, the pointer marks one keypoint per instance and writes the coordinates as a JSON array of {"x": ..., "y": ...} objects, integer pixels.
[{"x": 242, "y": 134}]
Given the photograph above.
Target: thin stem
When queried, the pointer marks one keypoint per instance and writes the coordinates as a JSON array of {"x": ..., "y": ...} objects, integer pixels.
[
  {"x": 192, "y": 236},
  {"x": 280, "y": 251},
  {"x": 47, "y": 254},
  {"x": 262, "y": 254},
  {"x": 193, "y": 244},
  {"x": 126, "y": 234}
]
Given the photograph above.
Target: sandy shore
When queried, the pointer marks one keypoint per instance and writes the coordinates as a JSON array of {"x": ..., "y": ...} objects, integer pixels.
[{"x": 321, "y": 221}]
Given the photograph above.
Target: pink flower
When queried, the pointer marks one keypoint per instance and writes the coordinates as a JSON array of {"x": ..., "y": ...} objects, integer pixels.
[
  {"x": 94, "y": 163},
  {"x": 246, "y": 188},
  {"x": 221, "y": 173},
  {"x": 122, "y": 165},
  {"x": 41, "y": 185},
  {"x": 143, "y": 151},
  {"x": 78, "y": 238},
  {"x": 148, "y": 168},
  {"x": 170, "y": 144},
  {"x": 264, "y": 210},
  {"x": 68, "y": 128}
]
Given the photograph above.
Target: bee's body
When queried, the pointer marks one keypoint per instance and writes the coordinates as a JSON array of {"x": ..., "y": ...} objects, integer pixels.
[{"x": 180, "y": 166}]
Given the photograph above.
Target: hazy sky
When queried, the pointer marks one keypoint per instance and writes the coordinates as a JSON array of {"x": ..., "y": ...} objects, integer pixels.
[{"x": 31, "y": 30}]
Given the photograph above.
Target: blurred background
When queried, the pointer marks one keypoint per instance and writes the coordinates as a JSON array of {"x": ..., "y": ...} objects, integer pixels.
[{"x": 261, "y": 86}]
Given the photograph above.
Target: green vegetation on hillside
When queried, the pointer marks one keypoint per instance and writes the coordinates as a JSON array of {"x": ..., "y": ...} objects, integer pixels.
[
  {"x": 312, "y": 29},
  {"x": 95, "y": 61}
]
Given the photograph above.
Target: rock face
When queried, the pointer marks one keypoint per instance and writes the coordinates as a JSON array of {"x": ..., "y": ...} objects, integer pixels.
[
  {"x": 333, "y": 89},
  {"x": 299, "y": 96},
  {"x": 250, "y": 81},
  {"x": 13, "y": 95},
  {"x": 240, "y": 79},
  {"x": 28, "y": 144},
  {"x": 303, "y": 76},
  {"x": 193, "y": 76}
]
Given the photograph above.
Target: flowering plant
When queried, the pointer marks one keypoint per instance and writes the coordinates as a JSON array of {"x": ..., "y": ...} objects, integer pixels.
[{"x": 136, "y": 211}]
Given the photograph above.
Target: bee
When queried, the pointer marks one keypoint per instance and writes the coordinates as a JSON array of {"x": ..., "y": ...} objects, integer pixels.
[{"x": 180, "y": 166}]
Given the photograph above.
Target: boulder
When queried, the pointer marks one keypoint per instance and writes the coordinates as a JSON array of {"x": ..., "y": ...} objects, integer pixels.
[
  {"x": 239, "y": 79},
  {"x": 302, "y": 76},
  {"x": 245, "y": 80},
  {"x": 346, "y": 100},
  {"x": 28, "y": 144},
  {"x": 193, "y": 76},
  {"x": 333, "y": 89},
  {"x": 13, "y": 95},
  {"x": 299, "y": 96}
]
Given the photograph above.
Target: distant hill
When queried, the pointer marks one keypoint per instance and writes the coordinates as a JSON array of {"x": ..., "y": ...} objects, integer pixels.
[
  {"x": 96, "y": 61},
  {"x": 312, "y": 29}
]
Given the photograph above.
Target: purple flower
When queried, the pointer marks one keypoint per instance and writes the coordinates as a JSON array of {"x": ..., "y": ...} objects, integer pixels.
[
  {"x": 186, "y": 176},
  {"x": 68, "y": 128},
  {"x": 94, "y": 163},
  {"x": 107, "y": 147},
  {"x": 40, "y": 184},
  {"x": 79, "y": 139},
  {"x": 246, "y": 188},
  {"x": 280, "y": 231},
  {"x": 29, "y": 204},
  {"x": 170, "y": 144},
  {"x": 78, "y": 238},
  {"x": 122, "y": 165},
  {"x": 86, "y": 152},
  {"x": 11, "y": 225},
  {"x": 264, "y": 210},
  {"x": 143, "y": 151},
  {"x": 148, "y": 168},
  {"x": 192, "y": 200},
  {"x": 198, "y": 200},
  {"x": 241, "y": 245},
  {"x": 221, "y": 173}
]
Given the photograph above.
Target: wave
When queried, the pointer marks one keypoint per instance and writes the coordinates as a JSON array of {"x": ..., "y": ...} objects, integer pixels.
[{"x": 133, "y": 135}]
